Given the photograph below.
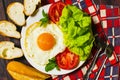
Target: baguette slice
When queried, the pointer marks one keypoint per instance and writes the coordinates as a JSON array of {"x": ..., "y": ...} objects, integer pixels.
[
  {"x": 15, "y": 12},
  {"x": 9, "y": 51},
  {"x": 20, "y": 71},
  {"x": 30, "y": 6},
  {"x": 8, "y": 29}
]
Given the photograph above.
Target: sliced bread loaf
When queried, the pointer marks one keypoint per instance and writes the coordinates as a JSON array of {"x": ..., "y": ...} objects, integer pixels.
[
  {"x": 20, "y": 71},
  {"x": 9, "y": 51},
  {"x": 15, "y": 12},
  {"x": 8, "y": 29},
  {"x": 30, "y": 6}
]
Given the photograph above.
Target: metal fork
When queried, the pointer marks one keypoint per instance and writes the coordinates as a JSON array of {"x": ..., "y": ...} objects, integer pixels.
[
  {"x": 106, "y": 48},
  {"x": 110, "y": 46},
  {"x": 86, "y": 76}
]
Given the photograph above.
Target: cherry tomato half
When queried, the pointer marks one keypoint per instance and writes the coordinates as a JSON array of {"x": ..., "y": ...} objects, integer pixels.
[
  {"x": 67, "y": 60},
  {"x": 55, "y": 11}
]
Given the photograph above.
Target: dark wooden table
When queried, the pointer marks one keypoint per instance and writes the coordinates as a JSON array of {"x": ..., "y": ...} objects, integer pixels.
[{"x": 3, "y": 16}]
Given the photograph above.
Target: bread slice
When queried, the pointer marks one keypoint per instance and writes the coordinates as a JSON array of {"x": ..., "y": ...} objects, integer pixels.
[
  {"x": 8, "y": 29},
  {"x": 20, "y": 71},
  {"x": 9, "y": 51},
  {"x": 30, "y": 6},
  {"x": 15, "y": 12}
]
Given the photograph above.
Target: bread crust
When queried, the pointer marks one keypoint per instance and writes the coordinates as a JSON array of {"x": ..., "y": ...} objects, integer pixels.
[
  {"x": 9, "y": 51},
  {"x": 12, "y": 29},
  {"x": 30, "y": 6},
  {"x": 21, "y": 13},
  {"x": 25, "y": 72}
]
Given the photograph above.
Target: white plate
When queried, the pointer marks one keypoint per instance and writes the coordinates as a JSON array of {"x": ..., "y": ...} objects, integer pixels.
[{"x": 31, "y": 20}]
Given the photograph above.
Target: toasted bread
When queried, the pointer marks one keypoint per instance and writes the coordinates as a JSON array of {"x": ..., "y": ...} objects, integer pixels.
[
  {"x": 15, "y": 12},
  {"x": 8, "y": 29},
  {"x": 30, "y": 6},
  {"x": 20, "y": 71},
  {"x": 9, "y": 51}
]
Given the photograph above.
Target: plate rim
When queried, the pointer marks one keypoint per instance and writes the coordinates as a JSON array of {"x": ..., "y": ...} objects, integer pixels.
[{"x": 36, "y": 66}]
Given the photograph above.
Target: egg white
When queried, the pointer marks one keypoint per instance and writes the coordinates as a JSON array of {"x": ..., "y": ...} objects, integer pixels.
[{"x": 38, "y": 55}]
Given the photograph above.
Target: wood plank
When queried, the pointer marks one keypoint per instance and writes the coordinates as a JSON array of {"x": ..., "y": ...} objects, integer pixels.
[
  {"x": 3, "y": 72},
  {"x": 4, "y": 75},
  {"x": 2, "y": 11}
]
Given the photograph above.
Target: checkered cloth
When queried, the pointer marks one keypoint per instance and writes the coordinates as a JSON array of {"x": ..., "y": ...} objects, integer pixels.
[{"x": 106, "y": 19}]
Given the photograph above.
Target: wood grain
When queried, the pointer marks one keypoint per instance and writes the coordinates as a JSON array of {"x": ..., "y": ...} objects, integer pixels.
[
  {"x": 2, "y": 11},
  {"x": 3, "y": 73}
]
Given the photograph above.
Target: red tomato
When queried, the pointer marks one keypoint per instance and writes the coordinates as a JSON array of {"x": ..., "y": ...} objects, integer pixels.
[
  {"x": 67, "y": 60},
  {"x": 55, "y": 11}
]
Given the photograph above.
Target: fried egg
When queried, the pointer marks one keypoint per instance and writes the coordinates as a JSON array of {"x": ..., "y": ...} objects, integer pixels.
[{"x": 43, "y": 43}]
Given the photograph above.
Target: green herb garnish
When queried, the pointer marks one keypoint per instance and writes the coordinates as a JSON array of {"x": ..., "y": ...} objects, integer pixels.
[
  {"x": 51, "y": 65},
  {"x": 45, "y": 19}
]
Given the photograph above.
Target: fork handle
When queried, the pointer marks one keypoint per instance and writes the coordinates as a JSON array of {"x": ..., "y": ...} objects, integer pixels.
[
  {"x": 86, "y": 76},
  {"x": 96, "y": 78}
]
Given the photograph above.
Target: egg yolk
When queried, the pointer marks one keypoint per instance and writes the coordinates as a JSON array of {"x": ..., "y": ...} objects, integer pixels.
[{"x": 46, "y": 41}]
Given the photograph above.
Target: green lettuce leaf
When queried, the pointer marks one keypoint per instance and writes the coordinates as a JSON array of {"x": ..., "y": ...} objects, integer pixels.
[{"x": 76, "y": 28}]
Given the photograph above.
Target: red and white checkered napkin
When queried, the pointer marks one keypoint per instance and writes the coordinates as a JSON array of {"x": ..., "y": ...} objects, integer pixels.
[{"x": 106, "y": 19}]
